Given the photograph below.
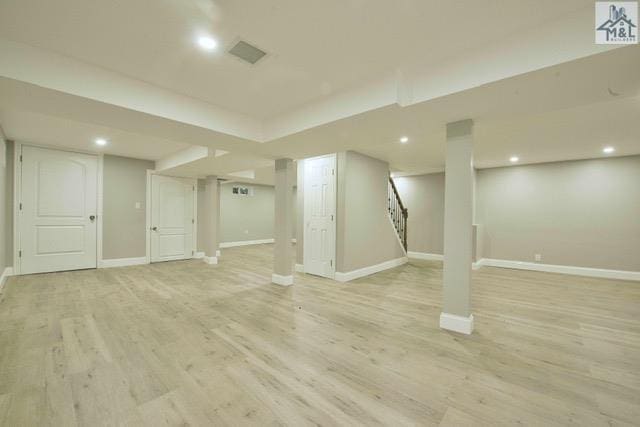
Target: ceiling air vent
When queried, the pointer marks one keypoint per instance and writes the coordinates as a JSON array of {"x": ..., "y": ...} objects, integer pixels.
[{"x": 247, "y": 52}]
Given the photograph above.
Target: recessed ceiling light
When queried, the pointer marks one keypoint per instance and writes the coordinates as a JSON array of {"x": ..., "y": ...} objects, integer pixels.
[
  {"x": 608, "y": 150},
  {"x": 404, "y": 139},
  {"x": 514, "y": 159},
  {"x": 207, "y": 43},
  {"x": 101, "y": 141}
]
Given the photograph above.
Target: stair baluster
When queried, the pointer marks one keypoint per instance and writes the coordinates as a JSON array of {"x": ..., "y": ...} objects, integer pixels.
[{"x": 397, "y": 212}]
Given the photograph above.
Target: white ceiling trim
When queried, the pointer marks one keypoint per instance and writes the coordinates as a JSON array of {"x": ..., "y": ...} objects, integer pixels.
[
  {"x": 530, "y": 51},
  {"x": 43, "y": 68},
  {"x": 188, "y": 155},
  {"x": 506, "y": 58},
  {"x": 552, "y": 44}
]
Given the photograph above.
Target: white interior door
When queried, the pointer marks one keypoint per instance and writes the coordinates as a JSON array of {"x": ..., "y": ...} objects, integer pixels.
[
  {"x": 172, "y": 218},
  {"x": 58, "y": 210},
  {"x": 319, "y": 215}
]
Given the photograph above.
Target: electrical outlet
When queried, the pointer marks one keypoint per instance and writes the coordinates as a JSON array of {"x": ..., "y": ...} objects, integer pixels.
[
  {"x": 138, "y": 205},
  {"x": 538, "y": 257},
  {"x": 246, "y": 231}
]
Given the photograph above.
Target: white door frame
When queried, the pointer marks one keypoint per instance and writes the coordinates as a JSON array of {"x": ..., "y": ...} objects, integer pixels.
[
  {"x": 335, "y": 205},
  {"x": 150, "y": 173},
  {"x": 17, "y": 196}
]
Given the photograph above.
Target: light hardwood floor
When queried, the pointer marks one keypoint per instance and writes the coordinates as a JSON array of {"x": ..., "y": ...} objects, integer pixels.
[{"x": 186, "y": 343}]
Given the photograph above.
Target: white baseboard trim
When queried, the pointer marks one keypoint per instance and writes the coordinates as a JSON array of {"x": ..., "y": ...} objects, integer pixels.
[
  {"x": 424, "y": 255},
  {"x": 366, "y": 271},
  {"x": 282, "y": 280},
  {"x": 452, "y": 322},
  {"x": 438, "y": 257},
  {"x": 562, "y": 269},
  {"x": 6, "y": 273},
  {"x": 122, "y": 262},
  {"x": 245, "y": 243},
  {"x": 300, "y": 268},
  {"x": 250, "y": 242},
  {"x": 210, "y": 259}
]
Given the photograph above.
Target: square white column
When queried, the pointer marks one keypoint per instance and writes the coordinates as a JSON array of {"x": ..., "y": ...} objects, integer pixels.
[
  {"x": 283, "y": 232},
  {"x": 458, "y": 228}
]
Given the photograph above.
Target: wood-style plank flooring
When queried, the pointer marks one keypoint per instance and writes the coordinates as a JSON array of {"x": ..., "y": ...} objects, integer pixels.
[{"x": 186, "y": 343}]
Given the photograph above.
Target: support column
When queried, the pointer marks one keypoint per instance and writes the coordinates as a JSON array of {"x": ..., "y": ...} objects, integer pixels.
[
  {"x": 458, "y": 228},
  {"x": 211, "y": 220},
  {"x": 283, "y": 250}
]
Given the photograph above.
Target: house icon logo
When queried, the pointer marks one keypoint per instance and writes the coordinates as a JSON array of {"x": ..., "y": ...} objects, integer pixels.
[{"x": 616, "y": 22}]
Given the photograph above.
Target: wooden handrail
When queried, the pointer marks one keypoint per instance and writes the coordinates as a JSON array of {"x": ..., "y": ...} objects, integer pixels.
[{"x": 395, "y": 192}]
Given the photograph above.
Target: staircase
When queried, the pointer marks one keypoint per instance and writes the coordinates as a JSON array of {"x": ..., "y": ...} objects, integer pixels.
[{"x": 398, "y": 213}]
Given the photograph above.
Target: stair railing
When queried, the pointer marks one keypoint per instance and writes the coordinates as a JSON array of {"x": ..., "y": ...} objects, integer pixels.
[{"x": 397, "y": 212}]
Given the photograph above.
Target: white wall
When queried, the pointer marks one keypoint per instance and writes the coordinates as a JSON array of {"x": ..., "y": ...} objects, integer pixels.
[
  {"x": 423, "y": 196},
  {"x": 6, "y": 227},
  {"x": 6, "y": 202},
  {"x": 365, "y": 235},
  {"x": 124, "y": 225},
  {"x": 243, "y": 218},
  {"x": 580, "y": 213}
]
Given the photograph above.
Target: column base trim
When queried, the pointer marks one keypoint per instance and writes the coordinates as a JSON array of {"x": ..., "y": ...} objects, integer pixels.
[
  {"x": 452, "y": 322},
  {"x": 282, "y": 280},
  {"x": 6, "y": 273},
  {"x": 210, "y": 259}
]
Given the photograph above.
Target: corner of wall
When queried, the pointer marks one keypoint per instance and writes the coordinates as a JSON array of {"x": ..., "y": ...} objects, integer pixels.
[
  {"x": 362, "y": 190},
  {"x": 6, "y": 205}
]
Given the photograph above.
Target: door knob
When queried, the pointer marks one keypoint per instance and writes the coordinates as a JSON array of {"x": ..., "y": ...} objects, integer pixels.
[
  {"x": 154, "y": 228},
  {"x": 92, "y": 217}
]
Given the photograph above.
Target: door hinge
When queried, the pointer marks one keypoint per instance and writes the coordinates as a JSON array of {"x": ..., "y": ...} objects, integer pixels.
[
  {"x": 333, "y": 171},
  {"x": 192, "y": 253},
  {"x": 19, "y": 254},
  {"x": 331, "y": 263},
  {"x": 193, "y": 187},
  {"x": 20, "y": 157},
  {"x": 20, "y": 206}
]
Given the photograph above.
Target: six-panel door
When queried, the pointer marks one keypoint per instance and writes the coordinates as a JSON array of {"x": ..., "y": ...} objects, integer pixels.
[{"x": 319, "y": 216}]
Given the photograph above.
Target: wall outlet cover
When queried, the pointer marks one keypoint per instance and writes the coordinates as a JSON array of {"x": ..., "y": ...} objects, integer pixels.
[{"x": 538, "y": 257}]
